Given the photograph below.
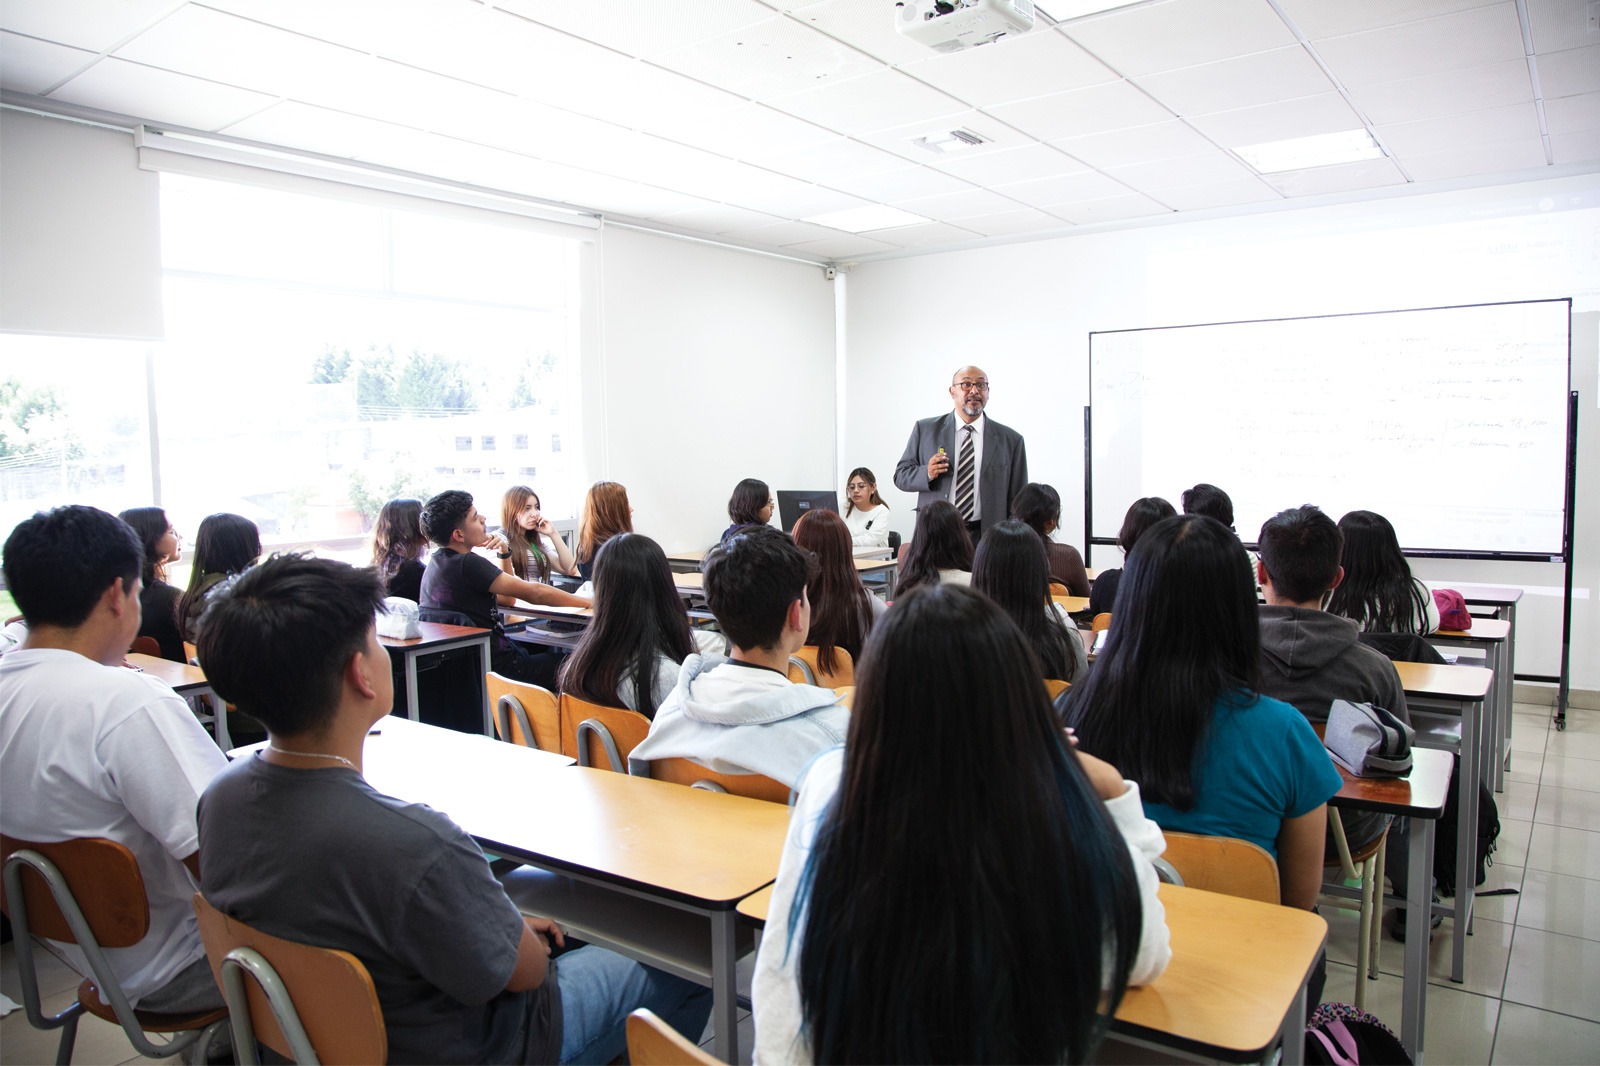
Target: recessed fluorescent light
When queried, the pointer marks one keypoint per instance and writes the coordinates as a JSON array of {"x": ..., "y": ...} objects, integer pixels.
[
  {"x": 1300, "y": 153},
  {"x": 862, "y": 219},
  {"x": 1067, "y": 10},
  {"x": 949, "y": 141}
]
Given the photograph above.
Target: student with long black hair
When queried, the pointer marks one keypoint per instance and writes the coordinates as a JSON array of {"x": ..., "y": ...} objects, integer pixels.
[
  {"x": 940, "y": 551},
  {"x": 1378, "y": 592},
  {"x": 398, "y": 544},
  {"x": 949, "y": 893},
  {"x": 842, "y": 609},
  {"x": 158, "y": 600},
  {"x": 630, "y": 654},
  {"x": 1011, "y": 568},
  {"x": 1142, "y": 514},
  {"x": 1039, "y": 506},
  {"x": 225, "y": 544},
  {"x": 1172, "y": 701}
]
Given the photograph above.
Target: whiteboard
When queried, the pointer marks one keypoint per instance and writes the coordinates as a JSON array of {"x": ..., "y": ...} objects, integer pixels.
[{"x": 1449, "y": 421}]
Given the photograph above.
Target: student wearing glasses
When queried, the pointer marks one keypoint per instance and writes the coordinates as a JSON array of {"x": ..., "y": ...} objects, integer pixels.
[{"x": 965, "y": 457}]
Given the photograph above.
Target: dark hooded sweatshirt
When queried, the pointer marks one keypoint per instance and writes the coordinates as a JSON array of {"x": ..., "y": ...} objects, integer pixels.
[{"x": 1311, "y": 658}]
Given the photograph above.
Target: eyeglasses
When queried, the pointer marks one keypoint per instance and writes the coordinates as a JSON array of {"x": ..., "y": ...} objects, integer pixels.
[
  {"x": 970, "y": 386},
  {"x": 856, "y": 485}
]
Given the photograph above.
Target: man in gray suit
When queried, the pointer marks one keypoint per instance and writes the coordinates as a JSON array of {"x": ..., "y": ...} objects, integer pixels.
[{"x": 964, "y": 457}]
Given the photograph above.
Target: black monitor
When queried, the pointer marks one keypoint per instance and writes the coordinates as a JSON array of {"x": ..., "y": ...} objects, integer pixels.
[{"x": 792, "y": 503}]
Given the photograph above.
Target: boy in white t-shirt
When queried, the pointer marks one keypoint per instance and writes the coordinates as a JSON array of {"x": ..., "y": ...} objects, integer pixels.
[{"x": 89, "y": 748}]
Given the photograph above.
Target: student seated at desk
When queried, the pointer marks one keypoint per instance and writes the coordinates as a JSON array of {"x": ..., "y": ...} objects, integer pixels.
[
  {"x": 940, "y": 551},
  {"x": 631, "y": 653},
  {"x": 224, "y": 545},
  {"x": 460, "y": 580},
  {"x": 397, "y": 546},
  {"x": 842, "y": 610},
  {"x": 298, "y": 845},
  {"x": 1142, "y": 514},
  {"x": 158, "y": 603},
  {"x": 742, "y": 714},
  {"x": 1210, "y": 501},
  {"x": 1172, "y": 702},
  {"x": 954, "y": 890},
  {"x": 534, "y": 549},
  {"x": 1039, "y": 507},
  {"x": 606, "y": 512},
  {"x": 865, "y": 513},
  {"x": 1011, "y": 569},
  {"x": 750, "y": 505},
  {"x": 1378, "y": 591}
]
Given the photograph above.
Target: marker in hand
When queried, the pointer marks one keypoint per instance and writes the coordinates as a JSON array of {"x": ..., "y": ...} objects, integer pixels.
[{"x": 938, "y": 464}]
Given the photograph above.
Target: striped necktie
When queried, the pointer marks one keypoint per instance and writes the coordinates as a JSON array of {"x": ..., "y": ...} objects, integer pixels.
[{"x": 965, "y": 474}]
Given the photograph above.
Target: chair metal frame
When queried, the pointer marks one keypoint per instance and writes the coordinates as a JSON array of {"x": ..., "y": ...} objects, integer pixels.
[
  {"x": 1368, "y": 867},
  {"x": 248, "y": 961}
]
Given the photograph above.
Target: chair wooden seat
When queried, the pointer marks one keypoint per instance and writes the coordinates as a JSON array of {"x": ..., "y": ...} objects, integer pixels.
[
  {"x": 613, "y": 730},
  {"x": 1227, "y": 865},
  {"x": 524, "y": 713},
  {"x": 652, "y": 1042},
  {"x": 804, "y": 668},
  {"x": 150, "y": 1021}
]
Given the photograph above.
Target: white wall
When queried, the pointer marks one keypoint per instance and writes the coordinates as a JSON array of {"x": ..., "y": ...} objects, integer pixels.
[
  {"x": 1024, "y": 312},
  {"x": 715, "y": 365}
]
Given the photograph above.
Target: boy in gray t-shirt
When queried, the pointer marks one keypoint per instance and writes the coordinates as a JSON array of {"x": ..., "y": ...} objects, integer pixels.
[{"x": 295, "y": 843}]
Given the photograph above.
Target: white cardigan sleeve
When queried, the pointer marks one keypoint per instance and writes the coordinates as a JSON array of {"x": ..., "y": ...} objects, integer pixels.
[{"x": 1145, "y": 842}]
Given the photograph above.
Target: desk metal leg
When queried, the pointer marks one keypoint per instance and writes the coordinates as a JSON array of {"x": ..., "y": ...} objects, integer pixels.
[
  {"x": 1294, "y": 1027},
  {"x": 1466, "y": 838},
  {"x": 1510, "y": 694},
  {"x": 724, "y": 984},
  {"x": 1414, "y": 997},
  {"x": 219, "y": 721},
  {"x": 412, "y": 702},
  {"x": 483, "y": 679}
]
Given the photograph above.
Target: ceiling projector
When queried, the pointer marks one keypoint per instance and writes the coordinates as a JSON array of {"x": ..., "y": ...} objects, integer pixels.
[{"x": 951, "y": 25}]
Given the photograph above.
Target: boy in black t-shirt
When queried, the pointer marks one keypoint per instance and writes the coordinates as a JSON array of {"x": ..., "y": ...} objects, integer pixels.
[{"x": 457, "y": 579}]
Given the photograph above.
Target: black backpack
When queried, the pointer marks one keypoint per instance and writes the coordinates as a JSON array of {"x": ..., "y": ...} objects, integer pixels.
[
  {"x": 1444, "y": 837},
  {"x": 1341, "y": 1035}
]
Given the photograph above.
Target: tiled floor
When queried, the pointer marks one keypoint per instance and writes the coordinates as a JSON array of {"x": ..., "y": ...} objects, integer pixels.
[{"x": 1532, "y": 989}]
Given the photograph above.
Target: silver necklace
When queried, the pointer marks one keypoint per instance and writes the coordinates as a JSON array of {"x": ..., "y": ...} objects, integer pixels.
[{"x": 312, "y": 755}]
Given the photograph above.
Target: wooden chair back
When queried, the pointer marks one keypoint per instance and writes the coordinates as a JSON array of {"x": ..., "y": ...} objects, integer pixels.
[
  {"x": 689, "y": 772},
  {"x": 1227, "y": 865},
  {"x": 1102, "y": 621},
  {"x": 1055, "y": 687},
  {"x": 332, "y": 992},
  {"x": 626, "y": 729},
  {"x": 524, "y": 713},
  {"x": 652, "y": 1042},
  {"x": 191, "y": 654},
  {"x": 146, "y": 646},
  {"x": 104, "y": 879},
  {"x": 803, "y": 668}
]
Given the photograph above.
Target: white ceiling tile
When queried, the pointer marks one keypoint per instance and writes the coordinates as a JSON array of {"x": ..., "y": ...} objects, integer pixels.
[
  {"x": 311, "y": 129},
  {"x": 784, "y": 233},
  {"x": 1581, "y": 147},
  {"x": 1014, "y": 164},
  {"x": 1179, "y": 33},
  {"x": 394, "y": 92},
  {"x": 1111, "y": 209},
  {"x": 768, "y": 59},
  {"x": 1007, "y": 223},
  {"x": 838, "y": 158},
  {"x": 997, "y": 136},
  {"x": 1449, "y": 93},
  {"x": 641, "y": 96},
  {"x": 842, "y": 247},
  {"x": 873, "y": 101},
  {"x": 1066, "y": 189},
  {"x": 32, "y": 66},
  {"x": 676, "y": 166},
  {"x": 159, "y": 95},
  {"x": 531, "y": 128},
  {"x": 1083, "y": 111},
  {"x": 429, "y": 153},
  {"x": 1279, "y": 121},
  {"x": 1559, "y": 24},
  {"x": 532, "y": 177},
  {"x": 1318, "y": 18},
  {"x": 1035, "y": 64},
  {"x": 90, "y": 24},
  {"x": 1569, "y": 73},
  {"x": 1219, "y": 194},
  {"x": 958, "y": 205},
  {"x": 367, "y": 25},
  {"x": 1346, "y": 177},
  {"x": 641, "y": 27},
  {"x": 803, "y": 201},
  {"x": 1138, "y": 144},
  {"x": 235, "y": 51},
  {"x": 1479, "y": 127},
  {"x": 1277, "y": 74},
  {"x": 1572, "y": 114},
  {"x": 621, "y": 196},
  {"x": 926, "y": 234},
  {"x": 1212, "y": 168},
  {"x": 1475, "y": 38},
  {"x": 903, "y": 184},
  {"x": 740, "y": 133},
  {"x": 718, "y": 218},
  {"x": 1468, "y": 159},
  {"x": 867, "y": 26}
]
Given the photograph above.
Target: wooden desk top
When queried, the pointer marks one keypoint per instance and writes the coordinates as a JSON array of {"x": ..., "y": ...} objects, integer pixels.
[
  {"x": 1073, "y": 604},
  {"x": 1236, "y": 968},
  {"x": 433, "y": 633},
  {"x": 1420, "y": 794},
  {"x": 1466, "y": 683},
  {"x": 181, "y": 676},
  {"x": 1483, "y": 631},
  {"x": 1092, "y": 572},
  {"x": 695, "y": 582}
]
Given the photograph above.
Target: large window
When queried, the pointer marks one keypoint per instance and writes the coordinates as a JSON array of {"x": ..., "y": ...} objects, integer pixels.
[{"x": 321, "y": 356}]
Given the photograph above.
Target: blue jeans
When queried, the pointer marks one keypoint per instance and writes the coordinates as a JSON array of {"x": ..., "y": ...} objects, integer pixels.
[{"x": 600, "y": 988}]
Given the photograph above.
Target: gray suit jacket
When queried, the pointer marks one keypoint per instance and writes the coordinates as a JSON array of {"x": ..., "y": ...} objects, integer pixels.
[{"x": 1001, "y": 477}]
